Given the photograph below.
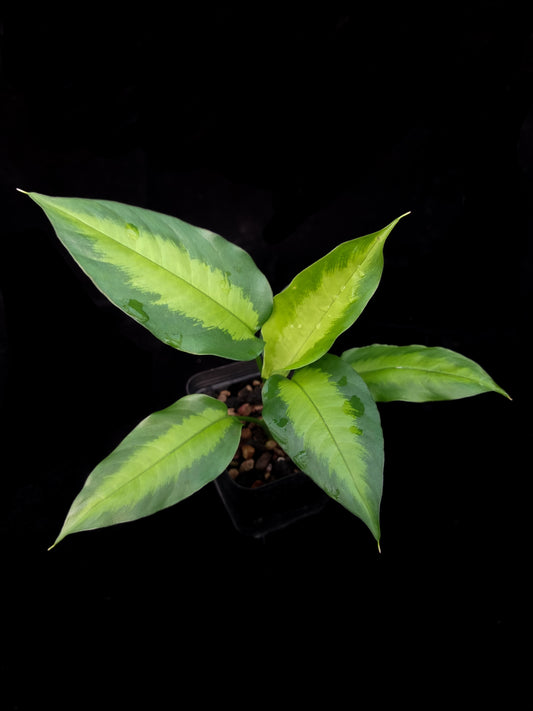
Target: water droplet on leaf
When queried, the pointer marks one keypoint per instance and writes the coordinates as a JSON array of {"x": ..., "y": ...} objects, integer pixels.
[{"x": 132, "y": 230}]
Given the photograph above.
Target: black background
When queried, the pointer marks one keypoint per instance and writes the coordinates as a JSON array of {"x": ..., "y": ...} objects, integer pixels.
[{"x": 286, "y": 131}]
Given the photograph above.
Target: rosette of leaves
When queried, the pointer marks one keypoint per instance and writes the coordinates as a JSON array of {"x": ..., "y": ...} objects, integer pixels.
[{"x": 199, "y": 293}]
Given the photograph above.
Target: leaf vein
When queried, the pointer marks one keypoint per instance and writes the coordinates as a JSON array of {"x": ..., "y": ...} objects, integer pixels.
[
  {"x": 154, "y": 263},
  {"x": 182, "y": 444},
  {"x": 339, "y": 449}
]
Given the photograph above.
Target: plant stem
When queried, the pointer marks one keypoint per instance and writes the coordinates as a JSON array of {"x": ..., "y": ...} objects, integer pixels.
[
  {"x": 257, "y": 421},
  {"x": 259, "y": 362}
]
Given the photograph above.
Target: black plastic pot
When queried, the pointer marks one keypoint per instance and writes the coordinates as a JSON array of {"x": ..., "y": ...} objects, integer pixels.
[{"x": 275, "y": 505}]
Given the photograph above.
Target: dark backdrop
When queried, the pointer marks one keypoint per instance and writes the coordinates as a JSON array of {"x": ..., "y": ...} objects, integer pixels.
[{"x": 286, "y": 131}]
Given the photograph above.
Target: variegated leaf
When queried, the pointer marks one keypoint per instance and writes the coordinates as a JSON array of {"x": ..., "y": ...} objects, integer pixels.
[
  {"x": 322, "y": 301},
  {"x": 328, "y": 423},
  {"x": 166, "y": 458},
  {"x": 191, "y": 288},
  {"x": 419, "y": 373}
]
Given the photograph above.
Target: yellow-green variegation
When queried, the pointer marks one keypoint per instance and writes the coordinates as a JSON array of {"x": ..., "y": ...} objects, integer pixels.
[
  {"x": 419, "y": 373},
  {"x": 199, "y": 293},
  {"x": 326, "y": 420},
  {"x": 191, "y": 288},
  {"x": 322, "y": 301},
  {"x": 166, "y": 458}
]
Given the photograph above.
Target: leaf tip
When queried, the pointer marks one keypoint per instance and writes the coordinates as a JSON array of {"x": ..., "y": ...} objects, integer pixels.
[
  {"x": 54, "y": 544},
  {"x": 379, "y": 547},
  {"x": 501, "y": 391},
  {"x": 387, "y": 230},
  {"x": 20, "y": 190}
]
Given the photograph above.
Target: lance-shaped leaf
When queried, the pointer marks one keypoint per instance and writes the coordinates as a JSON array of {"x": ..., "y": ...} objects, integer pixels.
[
  {"x": 166, "y": 458},
  {"x": 327, "y": 422},
  {"x": 418, "y": 373},
  {"x": 191, "y": 288},
  {"x": 322, "y": 301}
]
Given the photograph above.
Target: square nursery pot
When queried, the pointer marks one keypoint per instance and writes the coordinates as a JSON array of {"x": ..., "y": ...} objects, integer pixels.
[{"x": 273, "y": 505}]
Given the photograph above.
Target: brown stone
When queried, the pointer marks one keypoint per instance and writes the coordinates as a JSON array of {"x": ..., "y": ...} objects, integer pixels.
[
  {"x": 263, "y": 461},
  {"x": 245, "y": 409},
  {"x": 247, "y": 465},
  {"x": 248, "y": 451}
]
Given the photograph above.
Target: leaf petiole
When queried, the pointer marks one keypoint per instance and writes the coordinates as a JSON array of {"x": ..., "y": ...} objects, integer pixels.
[{"x": 257, "y": 421}]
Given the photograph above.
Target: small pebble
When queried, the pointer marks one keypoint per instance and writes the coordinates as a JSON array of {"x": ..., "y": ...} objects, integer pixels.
[
  {"x": 245, "y": 409},
  {"x": 247, "y": 451},
  {"x": 263, "y": 461},
  {"x": 247, "y": 465}
]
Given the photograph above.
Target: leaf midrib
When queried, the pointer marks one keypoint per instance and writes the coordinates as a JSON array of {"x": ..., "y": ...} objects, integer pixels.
[
  {"x": 154, "y": 464},
  {"x": 159, "y": 266},
  {"x": 339, "y": 449},
  {"x": 312, "y": 329},
  {"x": 440, "y": 373}
]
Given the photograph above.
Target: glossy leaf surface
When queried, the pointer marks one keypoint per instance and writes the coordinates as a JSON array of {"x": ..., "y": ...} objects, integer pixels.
[
  {"x": 327, "y": 422},
  {"x": 166, "y": 458},
  {"x": 418, "y": 373},
  {"x": 321, "y": 302},
  {"x": 191, "y": 288}
]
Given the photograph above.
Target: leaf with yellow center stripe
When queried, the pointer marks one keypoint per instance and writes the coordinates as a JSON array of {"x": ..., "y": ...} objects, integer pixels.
[
  {"x": 419, "y": 373},
  {"x": 322, "y": 301},
  {"x": 166, "y": 458},
  {"x": 328, "y": 423},
  {"x": 191, "y": 288}
]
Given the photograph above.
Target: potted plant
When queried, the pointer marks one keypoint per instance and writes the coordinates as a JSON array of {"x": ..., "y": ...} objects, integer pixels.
[
  {"x": 262, "y": 489},
  {"x": 199, "y": 293}
]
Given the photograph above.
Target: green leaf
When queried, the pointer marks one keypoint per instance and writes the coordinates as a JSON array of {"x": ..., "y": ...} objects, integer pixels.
[
  {"x": 191, "y": 288},
  {"x": 418, "y": 373},
  {"x": 322, "y": 301},
  {"x": 166, "y": 458},
  {"x": 327, "y": 422}
]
